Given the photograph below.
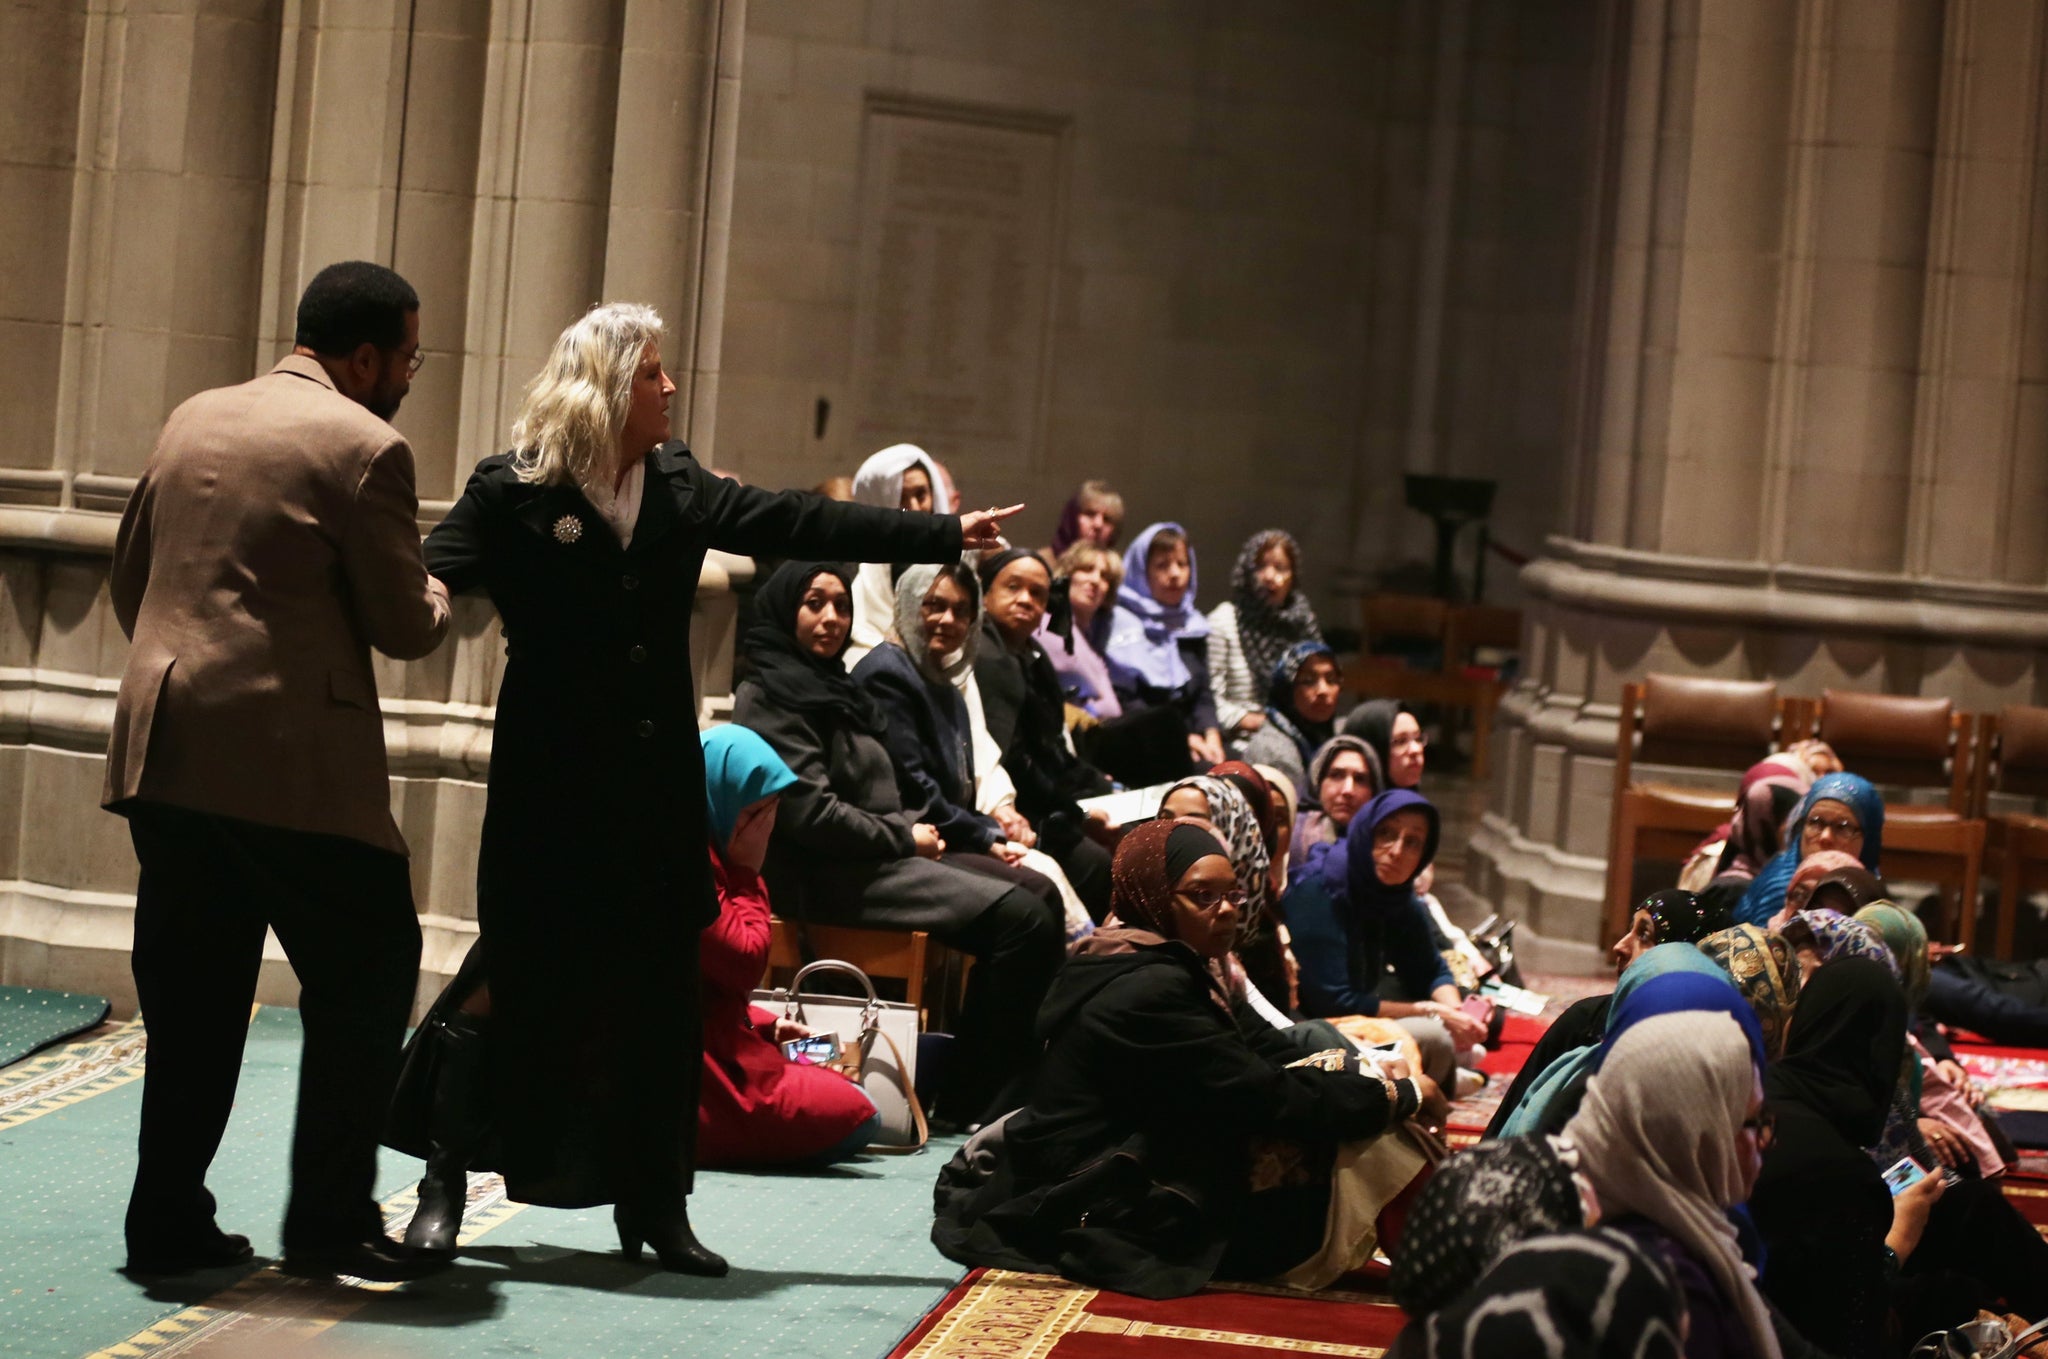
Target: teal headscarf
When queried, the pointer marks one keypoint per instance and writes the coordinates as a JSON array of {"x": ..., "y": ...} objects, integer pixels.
[
  {"x": 740, "y": 768},
  {"x": 1661, "y": 961}
]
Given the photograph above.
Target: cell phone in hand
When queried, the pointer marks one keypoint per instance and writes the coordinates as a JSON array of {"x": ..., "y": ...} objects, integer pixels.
[
  {"x": 820, "y": 1049},
  {"x": 1903, "y": 1175}
]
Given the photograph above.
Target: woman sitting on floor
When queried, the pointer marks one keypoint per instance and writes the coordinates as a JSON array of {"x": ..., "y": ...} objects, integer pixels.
[
  {"x": 1840, "y": 812},
  {"x": 1249, "y": 632},
  {"x": 1342, "y": 777},
  {"x": 1393, "y": 731},
  {"x": 756, "y": 1107},
  {"x": 1836, "y": 1236},
  {"x": 847, "y": 851},
  {"x": 1157, "y": 653},
  {"x": 1671, "y": 1133},
  {"x": 1353, "y": 915},
  {"x": 1300, "y": 713},
  {"x": 1136, "y": 1162}
]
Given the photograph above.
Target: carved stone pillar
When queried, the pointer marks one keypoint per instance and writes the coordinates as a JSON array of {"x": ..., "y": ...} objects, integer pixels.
[{"x": 1810, "y": 452}]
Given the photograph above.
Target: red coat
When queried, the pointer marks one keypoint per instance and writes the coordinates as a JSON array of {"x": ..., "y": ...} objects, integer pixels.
[{"x": 756, "y": 1106}]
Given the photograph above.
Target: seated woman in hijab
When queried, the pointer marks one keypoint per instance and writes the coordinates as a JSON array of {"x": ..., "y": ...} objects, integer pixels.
[
  {"x": 847, "y": 850},
  {"x": 1353, "y": 915},
  {"x": 1264, "y": 618},
  {"x": 1667, "y": 978},
  {"x": 1593, "y": 1294},
  {"x": 756, "y": 1107},
  {"x": 1837, "y": 1237},
  {"x": 904, "y": 477},
  {"x": 1393, "y": 731},
  {"x": 1974, "y": 1233},
  {"x": 1730, "y": 858},
  {"x": 1258, "y": 959},
  {"x": 1342, "y": 777},
  {"x": 1840, "y": 812},
  {"x": 1098, "y": 1177},
  {"x": 1093, "y": 515},
  {"x": 937, "y": 734},
  {"x": 1300, "y": 713},
  {"x": 1157, "y": 652},
  {"x": 1026, "y": 718},
  {"x": 1671, "y": 1133}
]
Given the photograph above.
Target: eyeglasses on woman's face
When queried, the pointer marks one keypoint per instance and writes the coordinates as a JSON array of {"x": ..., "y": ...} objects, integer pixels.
[
  {"x": 1763, "y": 1128},
  {"x": 1208, "y": 898}
]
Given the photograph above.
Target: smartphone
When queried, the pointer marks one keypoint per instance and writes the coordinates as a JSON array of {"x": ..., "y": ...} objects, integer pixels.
[
  {"x": 820, "y": 1049},
  {"x": 1903, "y": 1175}
]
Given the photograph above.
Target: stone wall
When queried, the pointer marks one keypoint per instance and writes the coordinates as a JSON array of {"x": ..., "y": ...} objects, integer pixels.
[
  {"x": 1299, "y": 248},
  {"x": 171, "y": 176}
]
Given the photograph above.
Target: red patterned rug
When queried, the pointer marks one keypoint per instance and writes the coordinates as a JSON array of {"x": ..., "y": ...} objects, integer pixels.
[{"x": 997, "y": 1312}]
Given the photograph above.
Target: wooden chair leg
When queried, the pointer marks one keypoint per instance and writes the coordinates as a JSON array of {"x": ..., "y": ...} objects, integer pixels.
[
  {"x": 1482, "y": 734},
  {"x": 1973, "y": 883},
  {"x": 2008, "y": 898}
]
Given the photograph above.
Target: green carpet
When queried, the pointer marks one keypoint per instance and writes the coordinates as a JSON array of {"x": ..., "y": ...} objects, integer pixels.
[
  {"x": 31, "y": 1019},
  {"x": 834, "y": 1263}
]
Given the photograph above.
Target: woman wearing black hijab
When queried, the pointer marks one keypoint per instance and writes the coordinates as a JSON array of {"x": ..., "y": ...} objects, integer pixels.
[
  {"x": 845, "y": 849},
  {"x": 1836, "y": 1236},
  {"x": 1130, "y": 1166}
]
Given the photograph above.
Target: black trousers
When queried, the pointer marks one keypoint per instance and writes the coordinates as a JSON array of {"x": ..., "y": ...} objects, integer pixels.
[
  {"x": 1018, "y": 944},
  {"x": 343, "y": 910}
]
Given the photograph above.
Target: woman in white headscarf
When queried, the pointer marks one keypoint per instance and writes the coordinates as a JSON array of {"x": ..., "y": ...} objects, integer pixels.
[
  {"x": 900, "y": 477},
  {"x": 1671, "y": 1136}
]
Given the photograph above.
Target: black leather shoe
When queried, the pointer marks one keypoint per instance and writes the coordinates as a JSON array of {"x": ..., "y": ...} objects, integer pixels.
[
  {"x": 675, "y": 1245},
  {"x": 379, "y": 1260},
  {"x": 215, "y": 1251}
]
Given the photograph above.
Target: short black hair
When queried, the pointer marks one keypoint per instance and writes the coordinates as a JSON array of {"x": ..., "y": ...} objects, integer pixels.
[{"x": 351, "y": 304}]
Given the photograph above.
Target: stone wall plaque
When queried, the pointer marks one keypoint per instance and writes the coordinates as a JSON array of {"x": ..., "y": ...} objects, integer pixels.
[{"x": 959, "y": 226}]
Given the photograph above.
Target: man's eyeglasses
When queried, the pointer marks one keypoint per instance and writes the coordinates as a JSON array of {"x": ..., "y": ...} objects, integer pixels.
[
  {"x": 413, "y": 362},
  {"x": 1209, "y": 901}
]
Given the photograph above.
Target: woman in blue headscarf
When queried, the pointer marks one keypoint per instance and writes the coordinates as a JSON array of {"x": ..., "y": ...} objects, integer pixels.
[
  {"x": 1158, "y": 651},
  {"x": 755, "y": 1105},
  {"x": 1355, "y": 915},
  {"x": 1840, "y": 812},
  {"x": 1668, "y": 979}
]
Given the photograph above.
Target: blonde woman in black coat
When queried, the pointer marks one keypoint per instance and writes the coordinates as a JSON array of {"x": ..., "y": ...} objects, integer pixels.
[{"x": 592, "y": 880}]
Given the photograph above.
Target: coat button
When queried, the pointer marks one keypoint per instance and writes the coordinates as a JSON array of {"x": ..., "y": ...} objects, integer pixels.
[
  {"x": 630, "y": 582},
  {"x": 637, "y": 655},
  {"x": 646, "y": 727}
]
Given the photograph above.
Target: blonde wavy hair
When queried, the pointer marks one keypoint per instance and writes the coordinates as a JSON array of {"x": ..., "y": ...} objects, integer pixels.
[{"x": 568, "y": 425}]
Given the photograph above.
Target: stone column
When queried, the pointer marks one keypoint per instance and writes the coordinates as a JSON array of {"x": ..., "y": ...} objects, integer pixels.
[{"x": 1808, "y": 453}]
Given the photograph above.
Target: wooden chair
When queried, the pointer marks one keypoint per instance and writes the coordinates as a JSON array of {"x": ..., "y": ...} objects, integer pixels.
[
  {"x": 2012, "y": 758},
  {"x": 1688, "y": 722},
  {"x": 901, "y": 955},
  {"x": 1451, "y": 633},
  {"x": 1906, "y": 741}
]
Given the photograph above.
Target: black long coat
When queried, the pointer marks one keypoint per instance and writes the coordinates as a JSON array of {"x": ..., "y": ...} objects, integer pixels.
[{"x": 592, "y": 877}]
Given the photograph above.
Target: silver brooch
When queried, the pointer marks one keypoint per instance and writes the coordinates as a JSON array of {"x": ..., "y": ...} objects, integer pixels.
[{"x": 568, "y": 529}]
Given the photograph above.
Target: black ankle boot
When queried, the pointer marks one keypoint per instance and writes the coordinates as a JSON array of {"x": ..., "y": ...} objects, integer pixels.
[
  {"x": 675, "y": 1245},
  {"x": 460, "y": 1120}
]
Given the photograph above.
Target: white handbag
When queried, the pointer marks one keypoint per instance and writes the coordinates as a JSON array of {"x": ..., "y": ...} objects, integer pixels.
[{"x": 878, "y": 1043}]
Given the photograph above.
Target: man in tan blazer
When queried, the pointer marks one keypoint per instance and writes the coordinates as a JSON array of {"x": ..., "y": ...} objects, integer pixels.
[{"x": 271, "y": 543}]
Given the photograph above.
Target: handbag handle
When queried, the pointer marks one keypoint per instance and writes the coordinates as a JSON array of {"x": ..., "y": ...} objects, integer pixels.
[{"x": 871, "y": 1013}]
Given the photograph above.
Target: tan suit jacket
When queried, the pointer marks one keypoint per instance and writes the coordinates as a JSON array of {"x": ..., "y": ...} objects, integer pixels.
[{"x": 272, "y": 541}]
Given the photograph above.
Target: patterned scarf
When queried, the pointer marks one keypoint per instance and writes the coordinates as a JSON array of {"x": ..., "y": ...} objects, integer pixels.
[
  {"x": 1264, "y": 631},
  {"x": 1244, "y": 842},
  {"x": 1766, "y": 971}
]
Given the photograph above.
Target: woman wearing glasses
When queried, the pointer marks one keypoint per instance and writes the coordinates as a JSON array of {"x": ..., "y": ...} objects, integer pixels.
[
  {"x": 1841, "y": 812},
  {"x": 1133, "y": 1165},
  {"x": 1354, "y": 915}
]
